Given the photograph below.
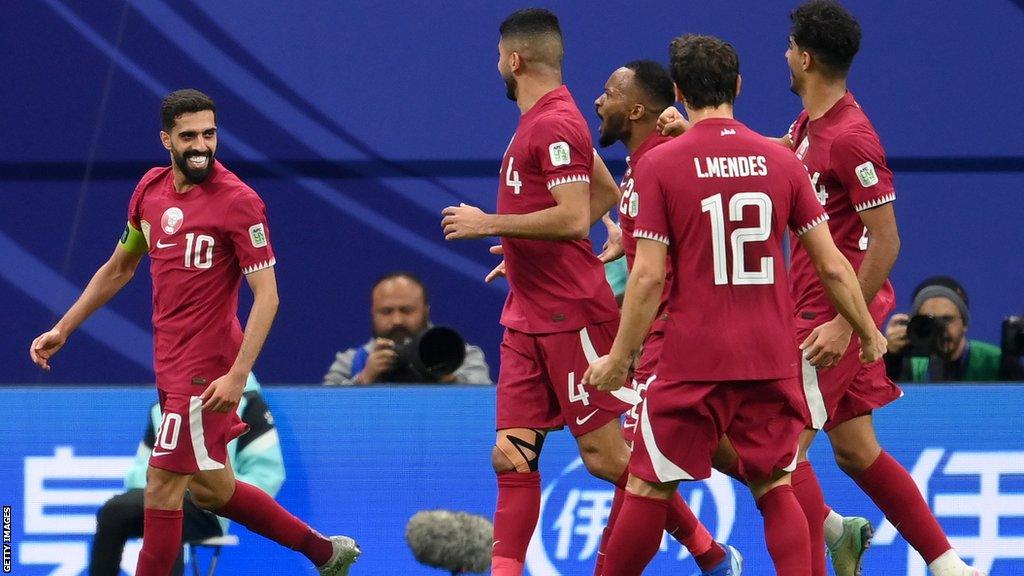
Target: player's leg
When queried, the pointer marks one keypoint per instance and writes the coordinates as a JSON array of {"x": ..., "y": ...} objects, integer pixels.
[
  {"x": 785, "y": 527},
  {"x": 218, "y": 491},
  {"x": 161, "y": 535},
  {"x": 119, "y": 519},
  {"x": 893, "y": 490},
  {"x": 812, "y": 501},
  {"x": 515, "y": 458},
  {"x": 636, "y": 534}
]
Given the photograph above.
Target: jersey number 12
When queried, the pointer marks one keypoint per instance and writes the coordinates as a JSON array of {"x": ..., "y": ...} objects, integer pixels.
[{"x": 740, "y": 236}]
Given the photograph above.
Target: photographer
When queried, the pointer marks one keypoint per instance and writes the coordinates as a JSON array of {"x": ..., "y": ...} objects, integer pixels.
[
  {"x": 402, "y": 337},
  {"x": 931, "y": 344}
]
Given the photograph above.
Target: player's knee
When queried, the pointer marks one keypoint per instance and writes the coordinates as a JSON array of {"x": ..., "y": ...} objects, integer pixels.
[
  {"x": 853, "y": 459},
  {"x": 603, "y": 461},
  {"x": 517, "y": 450}
]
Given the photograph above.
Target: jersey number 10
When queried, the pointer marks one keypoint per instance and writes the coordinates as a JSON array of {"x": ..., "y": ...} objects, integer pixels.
[
  {"x": 740, "y": 236},
  {"x": 198, "y": 251}
]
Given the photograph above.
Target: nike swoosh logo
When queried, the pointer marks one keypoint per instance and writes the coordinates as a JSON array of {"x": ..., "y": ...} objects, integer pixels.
[
  {"x": 582, "y": 421},
  {"x": 160, "y": 244},
  {"x": 158, "y": 453}
]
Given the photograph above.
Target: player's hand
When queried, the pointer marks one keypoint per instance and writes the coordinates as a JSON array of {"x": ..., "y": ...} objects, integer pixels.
[
  {"x": 45, "y": 346},
  {"x": 381, "y": 360},
  {"x": 612, "y": 249},
  {"x": 672, "y": 123},
  {"x": 606, "y": 373},
  {"x": 224, "y": 393},
  {"x": 827, "y": 343},
  {"x": 499, "y": 270},
  {"x": 896, "y": 332},
  {"x": 874, "y": 348},
  {"x": 786, "y": 140},
  {"x": 464, "y": 222}
]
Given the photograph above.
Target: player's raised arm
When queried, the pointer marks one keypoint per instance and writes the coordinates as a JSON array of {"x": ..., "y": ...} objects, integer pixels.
[{"x": 108, "y": 280}]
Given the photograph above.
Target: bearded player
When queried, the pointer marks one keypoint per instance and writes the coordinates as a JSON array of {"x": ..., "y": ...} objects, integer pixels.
[
  {"x": 560, "y": 312},
  {"x": 204, "y": 229}
]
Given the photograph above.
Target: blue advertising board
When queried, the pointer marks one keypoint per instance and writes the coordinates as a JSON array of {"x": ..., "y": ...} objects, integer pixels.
[{"x": 363, "y": 461}]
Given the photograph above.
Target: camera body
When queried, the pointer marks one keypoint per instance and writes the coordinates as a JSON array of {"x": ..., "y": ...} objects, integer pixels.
[
  {"x": 1013, "y": 336},
  {"x": 927, "y": 335},
  {"x": 428, "y": 356}
]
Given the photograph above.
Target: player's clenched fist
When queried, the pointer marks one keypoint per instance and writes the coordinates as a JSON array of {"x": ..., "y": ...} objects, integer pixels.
[
  {"x": 464, "y": 222},
  {"x": 45, "y": 346},
  {"x": 672, "y": 123},
  {"x": 873, "y": 350},
  {"x": 606, "y": 373}
]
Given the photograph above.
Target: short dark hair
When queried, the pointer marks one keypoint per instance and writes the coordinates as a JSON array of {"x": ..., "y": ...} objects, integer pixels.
[
  {"x": 530, "y": 22},
  {"x": 536, "y": 24},
  {"x": 652, "y": 78},
  {"x": 181, "y": 102},
  {"x": 397, "y": 274},
  {"x": 705, "y": 69},
  {"x": 829, "y": 32}
]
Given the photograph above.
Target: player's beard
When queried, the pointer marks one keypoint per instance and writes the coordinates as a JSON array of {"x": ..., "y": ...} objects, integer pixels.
[
  {"x": 795, "y": 85},
  {"x": 612, "y": 130},
  {"x": 510, "y": 87},
  {"x": 191, "y": 174}
]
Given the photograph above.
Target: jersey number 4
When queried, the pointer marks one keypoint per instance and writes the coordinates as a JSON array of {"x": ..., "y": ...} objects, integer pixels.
[
  {"x": 512, "y": 177},
  {"x": 740, "y": 236}
]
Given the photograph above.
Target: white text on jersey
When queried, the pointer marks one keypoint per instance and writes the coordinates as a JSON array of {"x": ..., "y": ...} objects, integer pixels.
[{"x": 731, "y": 166}]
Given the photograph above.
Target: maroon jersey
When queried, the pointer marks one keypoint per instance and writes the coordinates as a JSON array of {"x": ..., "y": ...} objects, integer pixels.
[
  {"x": 628, "y": 206},
  {"x": 200, "y": 244},
  {"x": 847, "y": 166},
  {"x": 721, "y": 197},
  {"x": 555, "y": 286}
]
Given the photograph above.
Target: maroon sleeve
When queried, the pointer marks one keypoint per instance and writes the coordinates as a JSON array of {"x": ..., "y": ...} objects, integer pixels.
[
  {"x": 858, "y": 161},
  {"x": 797, "y": 127},
  {"x": 135, "y": 208},
  {"x": 246, "y": 226},
  {"x": 806, "y": 210},
  {"x": 651, "y": 217},
  {"x": 563, "y": 150}
]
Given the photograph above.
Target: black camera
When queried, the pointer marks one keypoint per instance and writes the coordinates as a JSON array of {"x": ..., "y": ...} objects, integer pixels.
[
  {"x": 426, "y": 357},
  {"x": 927, "y": 335},
  {"x": 1013, "y": 336}
]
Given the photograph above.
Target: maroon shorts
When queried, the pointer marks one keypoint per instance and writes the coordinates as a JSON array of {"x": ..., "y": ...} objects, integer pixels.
[
  {"x": 539, "y": 381},
  {"x": 190, "y": 439},
  {"x": 643, "y": 376},
  {"x": 682, "y": 422},
  {"x": 847, "y": 390}
]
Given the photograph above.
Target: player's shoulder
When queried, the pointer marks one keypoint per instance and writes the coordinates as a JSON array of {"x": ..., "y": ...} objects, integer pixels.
[
  {"x": 232, "y": 187},
  {"x": 153, "y": 176}
]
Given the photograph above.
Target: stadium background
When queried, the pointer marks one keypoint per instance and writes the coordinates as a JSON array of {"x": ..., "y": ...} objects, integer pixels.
[{"x": 359, "y": 121}]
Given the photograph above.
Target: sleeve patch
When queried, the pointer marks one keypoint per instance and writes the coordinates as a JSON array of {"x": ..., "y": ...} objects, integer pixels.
[
  {"x": 258, "y": 235},
  {"x": 866, "y": 174},
  {"x": 559, "y": 152}
]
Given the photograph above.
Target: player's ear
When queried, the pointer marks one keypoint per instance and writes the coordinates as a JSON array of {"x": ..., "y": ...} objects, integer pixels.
[
  {"x": 515, "y": 61},
  {"x": 805, "y": 60},
  {"x": 166, "y": 139},
  {"x": 637, "y": 112},
  {"x": 739, "y": 84}
]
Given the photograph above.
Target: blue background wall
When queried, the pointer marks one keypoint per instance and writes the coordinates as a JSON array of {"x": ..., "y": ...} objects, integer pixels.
[
  {"x": 359, "y": 121},
  {"x": 429, "y": 448}
]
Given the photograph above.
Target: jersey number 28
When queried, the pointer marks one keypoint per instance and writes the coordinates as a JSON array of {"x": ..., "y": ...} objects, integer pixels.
[{"x": 713, "y": 206}]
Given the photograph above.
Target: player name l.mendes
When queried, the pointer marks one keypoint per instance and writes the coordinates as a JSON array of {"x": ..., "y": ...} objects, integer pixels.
[{"x": 731, "y": 166}]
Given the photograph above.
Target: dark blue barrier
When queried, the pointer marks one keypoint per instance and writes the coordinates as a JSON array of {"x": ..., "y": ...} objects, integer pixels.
[{"x": 362, "y": 461}]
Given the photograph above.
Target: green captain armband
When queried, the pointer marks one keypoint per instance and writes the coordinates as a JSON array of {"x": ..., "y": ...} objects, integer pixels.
[{"x": 133, "y": 240}]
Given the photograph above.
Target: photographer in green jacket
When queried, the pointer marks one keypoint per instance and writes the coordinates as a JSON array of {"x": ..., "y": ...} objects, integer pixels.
[{"x": 931, "y": 344}]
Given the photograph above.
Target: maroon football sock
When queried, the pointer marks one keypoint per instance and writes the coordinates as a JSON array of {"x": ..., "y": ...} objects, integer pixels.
[
  {"x": 515, "y": 515},
  {"x": 637, "y": 535},
  {"x": 812, "y": 501},
  {"x": 613, "y": 514},
  {"x": 895, "y": 493},
  {"x": 257, "y": 511},
  {"x": 785, "y": 532},
  {"x": 687, "y": 529},
  {"x": 161, "y": 542}
]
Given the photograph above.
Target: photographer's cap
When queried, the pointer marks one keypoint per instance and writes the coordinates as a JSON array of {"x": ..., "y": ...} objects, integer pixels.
[{"x": 942, "y": 287}]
